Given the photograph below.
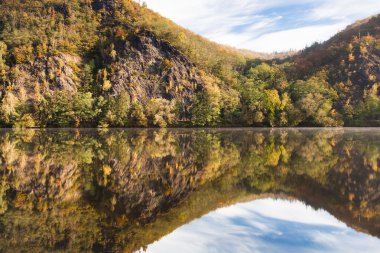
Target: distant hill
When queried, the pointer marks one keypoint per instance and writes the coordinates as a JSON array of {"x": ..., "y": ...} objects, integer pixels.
[
  {"x": 114, "y": 63},
  {"x": 352, "y": 62}
]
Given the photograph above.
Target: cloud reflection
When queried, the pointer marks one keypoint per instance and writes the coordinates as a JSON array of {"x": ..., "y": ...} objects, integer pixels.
[{"x": 266, "y": 226}]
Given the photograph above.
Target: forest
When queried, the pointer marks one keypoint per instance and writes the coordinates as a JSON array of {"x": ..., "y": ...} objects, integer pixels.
[{"x": 114, "y": 63}]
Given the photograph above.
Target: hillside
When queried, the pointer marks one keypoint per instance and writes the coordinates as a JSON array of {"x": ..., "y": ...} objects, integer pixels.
[
  {"x": 351, "y": 60},
  {"x": 114, "y": 63}
]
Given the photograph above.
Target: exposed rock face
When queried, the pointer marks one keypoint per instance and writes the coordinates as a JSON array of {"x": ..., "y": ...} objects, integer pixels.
[
  {"x": 50, "y": 73},
  {"x": 150, "y": 67},
  {"x": 145, "y": 67}
]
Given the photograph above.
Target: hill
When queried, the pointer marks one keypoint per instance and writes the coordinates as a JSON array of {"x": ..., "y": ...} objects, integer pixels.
[
  {"x": 351, "y": 60},
  {"x": 114, "y": 63}
]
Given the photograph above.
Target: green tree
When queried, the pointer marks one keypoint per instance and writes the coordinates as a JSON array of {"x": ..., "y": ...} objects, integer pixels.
[
  {"x": 253, "y": 103},
  {"x": 83, "y": 109},
  {"x": 88, "y": 78},
  {"x": 369, "y": 108},
  {"x": 116, "y": 111},
  {"x": 206, "y": 107},
  {"x": 272, "y": 105},
  {"x": 56, "y": 110},
  {"x": 230, "y": 106},
  {"x": 314, "y": 99},
  {"x": 138, "y": 117},
  {"x": 267, "y": 76}
]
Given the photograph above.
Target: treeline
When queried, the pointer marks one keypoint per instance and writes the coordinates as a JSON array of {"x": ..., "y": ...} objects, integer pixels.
[
  {"x": 236, "y": 91},
  {"x": 263, "y": 98}
]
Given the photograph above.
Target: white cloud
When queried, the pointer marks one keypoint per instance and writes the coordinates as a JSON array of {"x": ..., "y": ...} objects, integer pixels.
[
  {"x": 272, "y": 25},
  {"x": 291, "y": 39},
  {"x": 347, "y": 10}
]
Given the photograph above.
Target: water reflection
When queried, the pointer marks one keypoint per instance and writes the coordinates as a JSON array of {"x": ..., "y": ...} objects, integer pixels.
[
  {"x": 121, "y": 190},
  {"x": 266, "y": 226}
]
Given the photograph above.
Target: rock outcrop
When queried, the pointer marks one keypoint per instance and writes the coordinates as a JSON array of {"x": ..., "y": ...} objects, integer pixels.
[
  {"x": 149, "y": 67},
  {"x": 49, "y": 74}
]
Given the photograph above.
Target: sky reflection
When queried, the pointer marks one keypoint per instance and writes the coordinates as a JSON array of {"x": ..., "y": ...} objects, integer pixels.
[{"x": 266, "y": 226}]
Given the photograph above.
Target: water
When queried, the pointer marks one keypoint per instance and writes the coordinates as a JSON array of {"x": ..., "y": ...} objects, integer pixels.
[{"x": 215, "y": 190}]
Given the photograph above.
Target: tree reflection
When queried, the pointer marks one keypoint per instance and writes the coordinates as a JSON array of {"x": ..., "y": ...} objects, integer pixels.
[{"x": 123, "y": 189}]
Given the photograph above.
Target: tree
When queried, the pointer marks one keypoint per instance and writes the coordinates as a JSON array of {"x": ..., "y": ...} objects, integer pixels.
[
  {"x": 252, "y": 103},
  {"x": 103, "y": 79},
  {"x": 369, "y": 108},
  {"x": 230, "y": 105},
  {"x": 272, "y": 105},
  {"x": 206, "y": 107},
  {"x": 83, "y": 109},
  {"x": 138, "y": 117},
  {"x": 267, "y": 76},
  {"x": 161, "y": 112},
  {"x": 3, "y": 66},
  {"x": 116, "y": 111},
  {"x": 314, "y": 98},
  {"x": 56, "y": 110},
  {"x": 3, "y": 51},
  {"x": 315, "y": 84},
  {"x": 8, "y": 108},
  {"x": 372, "y": 106},
  {"x": 26, "y": 121},
  {"x": 88, "y": 77}
]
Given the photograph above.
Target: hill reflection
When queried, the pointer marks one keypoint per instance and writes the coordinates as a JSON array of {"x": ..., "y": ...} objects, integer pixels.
[{"x": 121, "y": 190}]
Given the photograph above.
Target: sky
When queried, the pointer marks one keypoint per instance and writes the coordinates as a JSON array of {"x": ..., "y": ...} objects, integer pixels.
[
  {"x": 266, "y": 225},
  {"x": 266, "y": 26}
]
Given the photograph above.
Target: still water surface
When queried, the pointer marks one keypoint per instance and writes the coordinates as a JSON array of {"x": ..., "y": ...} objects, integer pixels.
[{"x": 216, "y": 190}]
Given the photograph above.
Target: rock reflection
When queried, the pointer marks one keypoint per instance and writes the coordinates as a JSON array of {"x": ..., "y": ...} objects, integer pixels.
[{"x": 121, "y": 190}]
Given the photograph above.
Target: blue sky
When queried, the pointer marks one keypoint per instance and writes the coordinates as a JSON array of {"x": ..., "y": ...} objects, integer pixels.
[
  {"x": 266, "y": 225},
  {"x": 269, "y": 25}
]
